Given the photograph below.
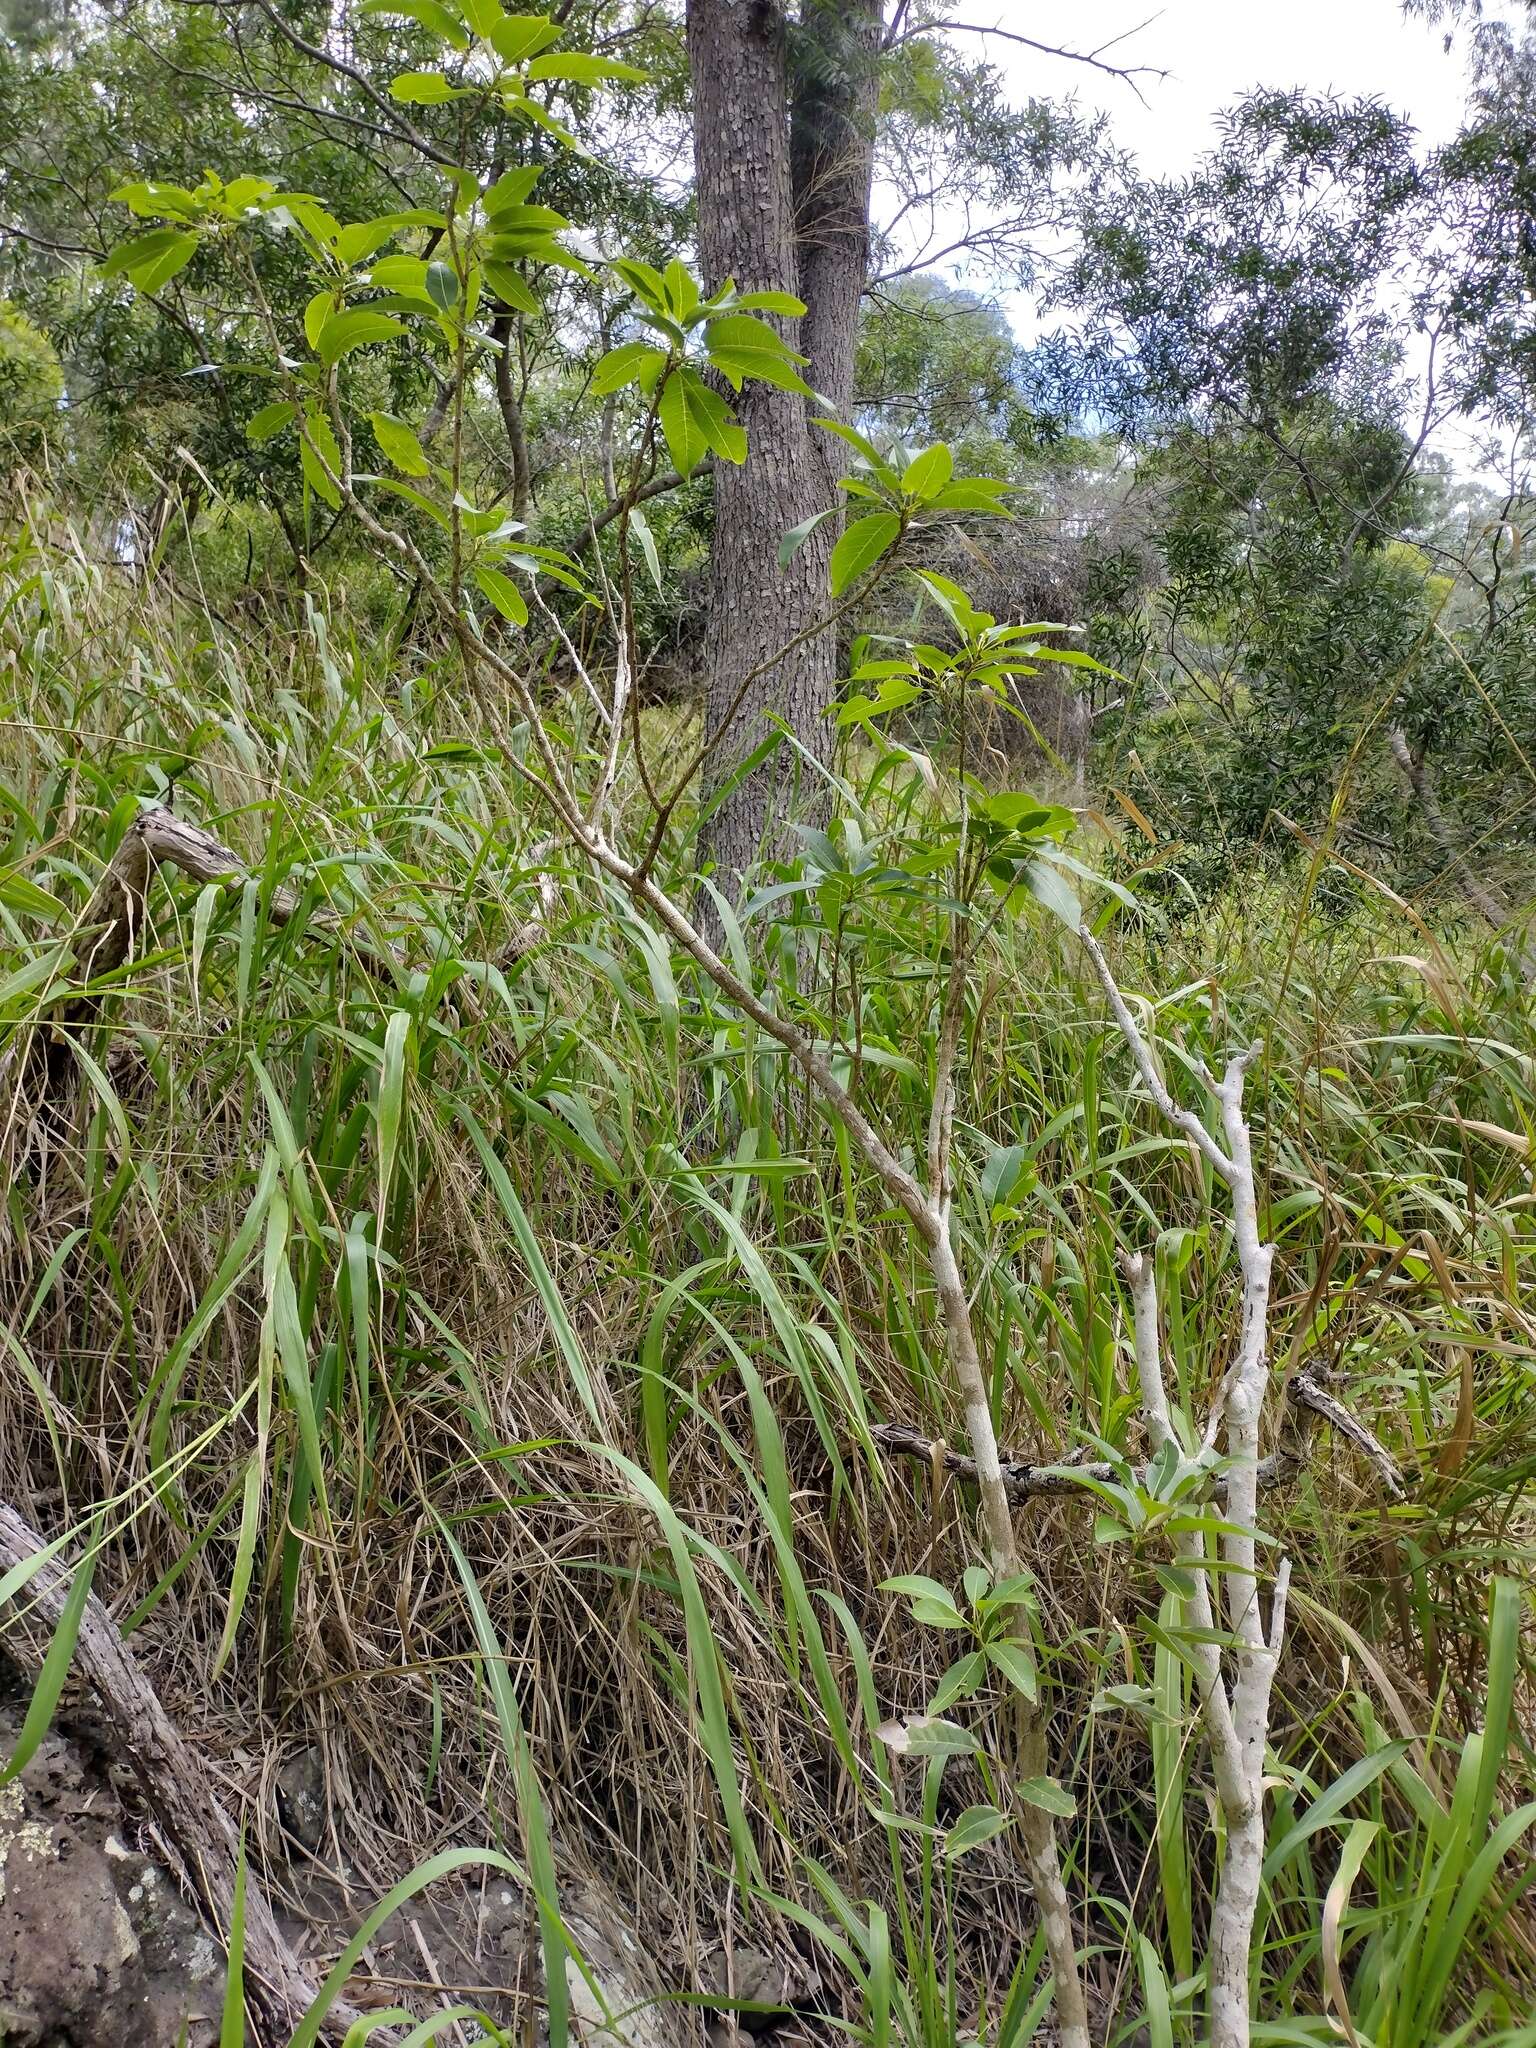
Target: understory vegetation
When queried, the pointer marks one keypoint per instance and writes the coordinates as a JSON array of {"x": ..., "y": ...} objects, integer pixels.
[{"x": 900, "y": 1329}]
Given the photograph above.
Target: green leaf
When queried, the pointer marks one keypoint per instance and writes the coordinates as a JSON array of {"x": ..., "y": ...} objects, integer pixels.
[
  {"x": 915, "y": 1587},
  {"x": 399, "y": 444},
  {"x": 356, "y": 328},
  {"x": 927, "y": 474},
  {"x": 365, "y": 238},
  {"x": 866, "y": 449},
  {"x": 976, "y": 1825},
  {"x": 1019, "y": 814},
  {"x": 232, "y": 2021},
  {"x": 441, "y": 1866},
  {"x": 21, "y": 894},
  {"x": 400, "y": 274},
  {"x": 152, "y": 201},
  {"x": 442, "y": 286},
  {"x": 629, "y": 363},
  {"x": 583, "y": 69},
  {"x": 1017, "y": 1665},
  {"x": 423, "y": 89},
  {"x": 429, "y": 13},
  {"x": 861, "y": 547},
  {"x": 929, "y": 1735},
  {"x": 1019, "y": 1591},
  {"x": 538, "y": 1844},
  {"x": 511, "y": 289},
  {"x": 696, "y": 421},
  {"x": 397, "y": 1062},
  {"x": 959, "y": 1682},
  {"x": 681, "y": 288},
  {"x": 272, "y": 419},
  {"x": 511, "y": 189},
  {"x": 320, "y": 442},
  {"x": 972, "y": 494},
  {"x": 152, "y": 260},
  {"x": 245, "y": 1555},
  {"x": 1048, "y": 886},
  {"x": 741, "y": 346},
  {"x": 769, "y": 302},
  {"x": 1002, "y": 1175},
  {"x": 797, "y": 536},
  {"x": 317, "y": 312},
  {"x": 517, "y": 37},
  {"x": 639, "y": 526},
  {"x": 55, "y": 1667},
  {"x": 516, "y": 229},
  {"x": 894, "y": 694},
  {"x": 1048, "y": 1794},
  {"x": 435, "y": 512},
  {"x": 504, "y": 594},
  {"x": 931, "y": 1604},
  {"x": 647, "y": 284}
]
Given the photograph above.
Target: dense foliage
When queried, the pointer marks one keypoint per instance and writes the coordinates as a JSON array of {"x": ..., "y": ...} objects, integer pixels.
[{"x": 529, "y": 1310}]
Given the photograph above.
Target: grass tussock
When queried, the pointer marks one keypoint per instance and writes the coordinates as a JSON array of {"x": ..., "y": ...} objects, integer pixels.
[{"x": 516, "y": 1312}]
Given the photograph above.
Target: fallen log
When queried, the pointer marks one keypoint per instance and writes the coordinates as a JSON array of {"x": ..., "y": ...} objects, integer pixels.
[{"x": 182, "y": 1794}]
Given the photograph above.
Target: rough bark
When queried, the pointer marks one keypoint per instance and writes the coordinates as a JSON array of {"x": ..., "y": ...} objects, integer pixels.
[
  {"x": 502, "y": 332},
  {"x": 832, "y": 159},
  {"x": 749, "y": 230}
]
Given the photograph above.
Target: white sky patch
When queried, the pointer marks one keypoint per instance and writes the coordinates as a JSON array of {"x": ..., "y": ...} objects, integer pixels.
[{"x": 1215, "y": 51}]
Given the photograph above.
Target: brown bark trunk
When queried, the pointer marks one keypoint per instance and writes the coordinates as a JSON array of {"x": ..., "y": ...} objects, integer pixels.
[
  {"x": 832, "y": 161},
  {"x": 737, "y": 52},
  {"x": 502, "y": 331}
]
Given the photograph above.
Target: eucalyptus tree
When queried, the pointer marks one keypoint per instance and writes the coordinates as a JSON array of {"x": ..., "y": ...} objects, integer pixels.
[
  {"x": 802, "y": 115},
  {"x": 1282, "y": 336}
]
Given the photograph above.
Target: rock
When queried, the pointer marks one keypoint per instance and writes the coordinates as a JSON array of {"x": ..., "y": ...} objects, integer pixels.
[
  {"x": 749, "y": 1976},
  {"x": 629, "y": 2007},
  {"x": 301, "y": 1802},
  {"x": 96, "y": 1942}
]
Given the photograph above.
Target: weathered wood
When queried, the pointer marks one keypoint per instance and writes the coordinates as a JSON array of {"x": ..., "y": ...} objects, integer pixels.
[{"x": 181, "y": 1792}]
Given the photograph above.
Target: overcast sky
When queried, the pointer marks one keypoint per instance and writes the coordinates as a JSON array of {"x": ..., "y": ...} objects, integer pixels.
[{"x": 1214, "y": 50}]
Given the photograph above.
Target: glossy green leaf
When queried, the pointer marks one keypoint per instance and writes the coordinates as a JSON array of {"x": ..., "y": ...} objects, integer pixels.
[
  {"x": 978, "y": 1824},
  {"x": 442, "y": 286},
  {"x": 627, "y": 364},
  {"x": 797, "y": 536},
  {"x": 503, "y": 594},
  {"x": 1046, "y": 1793},
  {"x": 865, "y": 541},
  {"x": 927, "y": 474},
  {"x": 439, "y": 20},
  {"x": 357, "y": 328},
  {"x": 271, "y": 420},
  {"x": 581, "y": 68},
  {"x": 399, "y": 444},
  {"x": 423, "y": 89},
  {"x": 38, "y": 1718},
  {"x": 318, "y": 452},
  {"x": 152, "y": 260},
  {"x": 517, "y": 37}
]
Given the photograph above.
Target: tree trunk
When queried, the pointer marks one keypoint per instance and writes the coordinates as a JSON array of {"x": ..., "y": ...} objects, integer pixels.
[
  {"x": 503, "y": 331},
  {"x": 832, "y": 162},
  {"x": 746, "y": 194}
]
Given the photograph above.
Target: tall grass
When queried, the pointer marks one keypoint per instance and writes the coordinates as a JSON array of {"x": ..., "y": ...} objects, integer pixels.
[{"x": 475, "y": 1366}]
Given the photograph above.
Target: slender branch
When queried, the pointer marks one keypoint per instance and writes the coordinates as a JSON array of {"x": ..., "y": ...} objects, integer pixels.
[{"x": 1236, "y": 1711}]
